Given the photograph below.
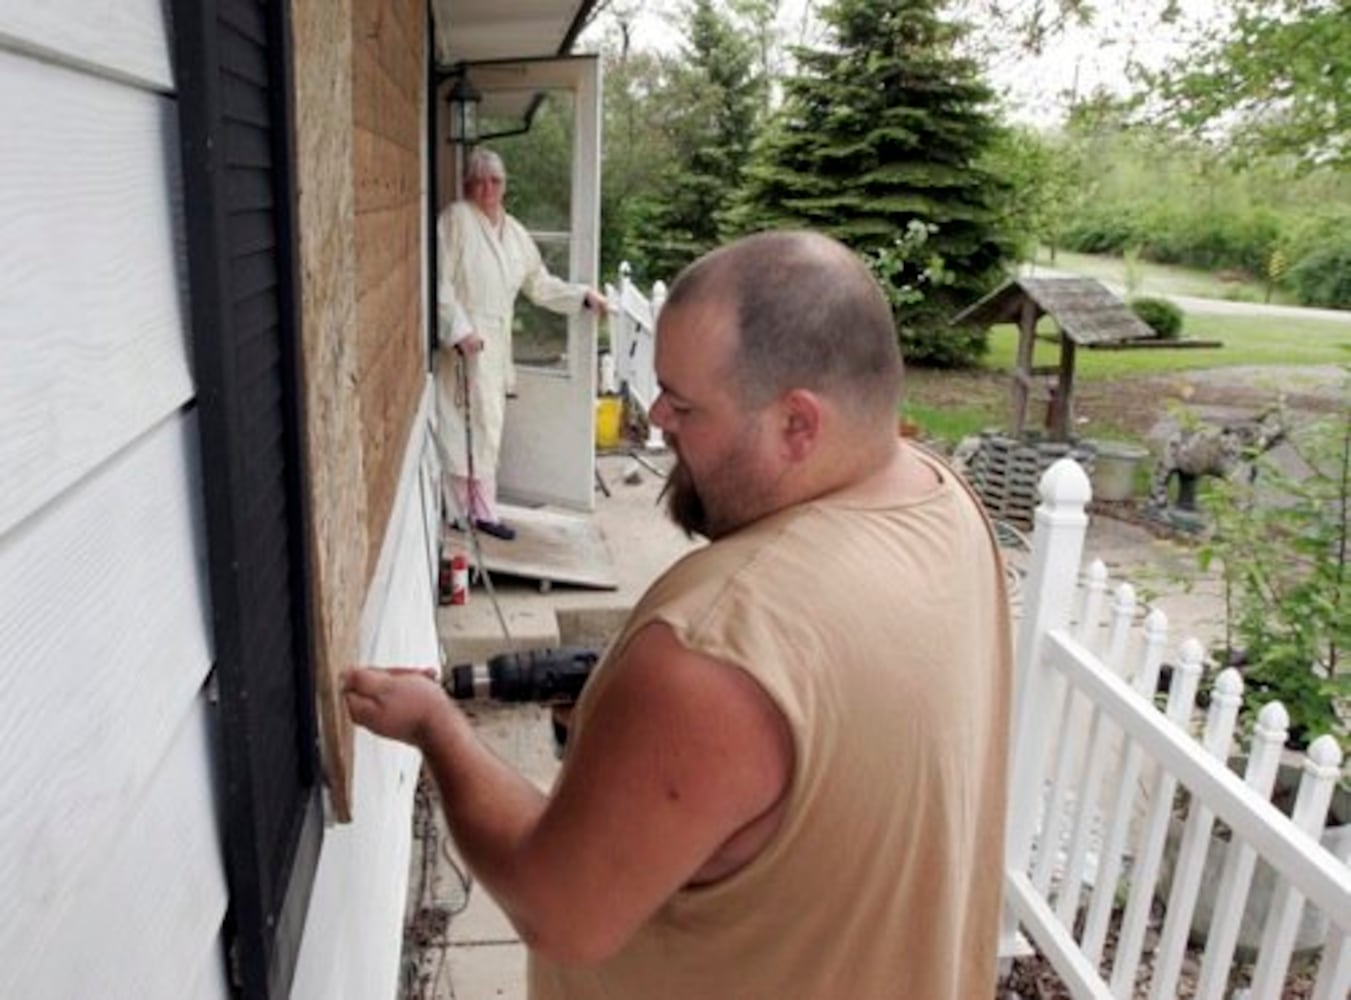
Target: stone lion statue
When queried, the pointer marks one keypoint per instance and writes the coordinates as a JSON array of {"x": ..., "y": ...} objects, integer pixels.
[{"x": 1220, "y": 450}]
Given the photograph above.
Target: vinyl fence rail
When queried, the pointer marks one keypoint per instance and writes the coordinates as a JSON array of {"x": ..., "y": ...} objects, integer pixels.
[
  {"x": 1111, "y": 856},
  {"x": 633, "y": 342}
]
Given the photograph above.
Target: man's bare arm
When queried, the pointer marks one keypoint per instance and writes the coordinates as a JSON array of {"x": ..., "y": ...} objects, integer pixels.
[{"x": 679, "y": 754}]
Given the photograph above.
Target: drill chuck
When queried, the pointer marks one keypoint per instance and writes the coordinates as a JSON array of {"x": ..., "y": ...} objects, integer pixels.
[{"x": 548, "y": 676}]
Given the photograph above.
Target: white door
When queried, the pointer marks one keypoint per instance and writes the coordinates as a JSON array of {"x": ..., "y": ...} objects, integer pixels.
[{"x": 553, "y": 188}]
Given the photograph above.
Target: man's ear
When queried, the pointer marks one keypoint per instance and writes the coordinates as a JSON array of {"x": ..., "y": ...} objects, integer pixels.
[{"x": 801, "y": 423}]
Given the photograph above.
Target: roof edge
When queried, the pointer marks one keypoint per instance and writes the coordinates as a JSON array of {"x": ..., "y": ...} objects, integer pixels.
[{"x": 578, "y": 23}]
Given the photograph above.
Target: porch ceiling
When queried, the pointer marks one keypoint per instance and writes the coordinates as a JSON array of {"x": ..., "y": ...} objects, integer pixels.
[{"x": 478, "y": 30}]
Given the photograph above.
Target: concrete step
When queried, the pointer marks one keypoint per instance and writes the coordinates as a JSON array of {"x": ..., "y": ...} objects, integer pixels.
[{"x": 471, "y": 633}]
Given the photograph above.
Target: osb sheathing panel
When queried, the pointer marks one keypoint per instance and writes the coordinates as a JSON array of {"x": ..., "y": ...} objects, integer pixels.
[
  {"x": 388, "y": 63},
  {"x": 388, "y": 303},
  {"x": 382, "y": 106},
  {"x": 322, "y": 32},
  {"x": 385, "y": 180}
]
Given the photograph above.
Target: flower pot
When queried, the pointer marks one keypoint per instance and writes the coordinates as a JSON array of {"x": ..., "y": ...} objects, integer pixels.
[{"x": 1114, "y": 470}]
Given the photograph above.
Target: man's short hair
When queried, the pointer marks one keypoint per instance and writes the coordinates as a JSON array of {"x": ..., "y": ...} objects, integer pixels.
[
  {"x": 809, "y": 315},
  {"x": 483, "y": 163}
]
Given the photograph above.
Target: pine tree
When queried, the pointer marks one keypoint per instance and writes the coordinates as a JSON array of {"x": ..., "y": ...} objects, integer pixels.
[
  {"x": 712, "y": 104},
  {"x": 878, "y": 143}
]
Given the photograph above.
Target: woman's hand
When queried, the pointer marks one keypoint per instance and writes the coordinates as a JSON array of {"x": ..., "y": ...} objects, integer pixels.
[
  {"x": 592, "y": 299},
  {"x": 469, "y": 345}
]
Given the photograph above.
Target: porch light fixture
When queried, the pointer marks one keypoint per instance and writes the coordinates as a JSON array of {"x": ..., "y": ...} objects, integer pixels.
[{"x": 464, "y": 101}]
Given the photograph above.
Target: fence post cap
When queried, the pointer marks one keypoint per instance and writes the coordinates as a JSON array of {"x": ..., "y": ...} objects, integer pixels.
[
  {"x": 1065, "y": 484},
  {"x": 1192, "y": 655},
  {"x": 1156, "y": 623},
  {"x": 1325, "y": 755},
  {"x": 1273, "y": 718},
  {"x": 1228, "y": 685}
]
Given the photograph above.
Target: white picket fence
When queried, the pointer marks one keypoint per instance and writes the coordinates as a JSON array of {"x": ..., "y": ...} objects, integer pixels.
[
  {"x": 1094, "y": 773},
  {"x": 633, "y": 342}
]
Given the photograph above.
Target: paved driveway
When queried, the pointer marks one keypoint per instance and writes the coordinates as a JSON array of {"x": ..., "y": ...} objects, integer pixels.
[{"x": 1215, "y": 307}]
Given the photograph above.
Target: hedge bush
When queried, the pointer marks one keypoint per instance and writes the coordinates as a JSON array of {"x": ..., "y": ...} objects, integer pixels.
[
  {"x": 937, "y": 345},
  {"x": 1213, "y": 239},
  {"x": 1101, "y": 229},
  {"x": 1195, "y": 236},
  {"x": 1164, "y": 318},
  {"x": 1322, "y": 277}
]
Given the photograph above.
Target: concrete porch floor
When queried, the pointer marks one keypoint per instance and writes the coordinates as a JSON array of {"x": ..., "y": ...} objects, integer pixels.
[{"x": 460, "y": 945}]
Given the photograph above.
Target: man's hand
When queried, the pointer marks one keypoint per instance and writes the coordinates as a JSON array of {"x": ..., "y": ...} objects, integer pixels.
[
  {"x": 402, "y": 704},
  {"x": 469, "y": 345}
]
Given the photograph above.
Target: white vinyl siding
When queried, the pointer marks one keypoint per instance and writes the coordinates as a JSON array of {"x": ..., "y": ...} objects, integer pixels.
[
  {"x": 124, "y": 40},
  {"x": 106, "y": 801},
  {"x": 357, "y": 908},
  {"x": 110, "y": 849},
  {"x": 110, "y": 839},
  {"x": 92, "y": 344}
]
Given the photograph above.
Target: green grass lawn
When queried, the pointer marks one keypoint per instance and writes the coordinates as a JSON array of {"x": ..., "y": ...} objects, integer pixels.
[
  {"x": 952, "y": 423},
  {"x": 951, "y": 405},
  {"x": 1247, "y": 340},
  {"x": 1160, "y": 279}
]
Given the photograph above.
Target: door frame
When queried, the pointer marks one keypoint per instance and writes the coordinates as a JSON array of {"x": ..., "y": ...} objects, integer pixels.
[{"x": 548, "y": 444}]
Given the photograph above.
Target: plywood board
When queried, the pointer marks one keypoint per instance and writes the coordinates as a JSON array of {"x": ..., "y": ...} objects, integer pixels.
[
  {"x": 550, "y": 546},
  {"x": 322, "y": 57},
  {"x": 387, "y": 88}
]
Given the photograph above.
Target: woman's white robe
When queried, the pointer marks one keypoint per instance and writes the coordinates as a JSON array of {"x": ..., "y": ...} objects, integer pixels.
[{"x": 481, "y": 269}]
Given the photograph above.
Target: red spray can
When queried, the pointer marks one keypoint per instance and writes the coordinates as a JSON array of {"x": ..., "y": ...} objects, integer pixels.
[{"x": 459, "y": 579}]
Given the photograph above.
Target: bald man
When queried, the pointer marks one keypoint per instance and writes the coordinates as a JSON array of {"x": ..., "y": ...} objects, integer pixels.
[{"x": 786, "y": 779}]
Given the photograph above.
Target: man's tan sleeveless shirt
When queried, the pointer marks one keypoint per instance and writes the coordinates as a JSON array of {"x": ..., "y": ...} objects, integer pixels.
[{"x": 883, "y": 637}]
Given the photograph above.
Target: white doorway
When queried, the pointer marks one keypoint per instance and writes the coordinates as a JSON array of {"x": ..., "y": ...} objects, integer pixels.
[{"x": 543, "y": 117}]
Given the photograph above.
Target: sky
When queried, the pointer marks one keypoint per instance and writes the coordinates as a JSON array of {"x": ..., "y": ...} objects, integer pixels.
[{"x": 1037, "y": 89}]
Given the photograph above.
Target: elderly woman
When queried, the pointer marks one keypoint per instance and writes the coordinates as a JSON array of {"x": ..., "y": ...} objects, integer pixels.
[{"x": 485, "y": 258}]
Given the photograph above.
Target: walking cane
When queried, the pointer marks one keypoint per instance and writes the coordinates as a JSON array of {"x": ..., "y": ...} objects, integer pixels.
[{"x": 470, "y": 528}]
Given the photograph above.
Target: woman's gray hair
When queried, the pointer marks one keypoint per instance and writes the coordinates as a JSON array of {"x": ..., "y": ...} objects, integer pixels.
[{"x": 483, "y": 163}]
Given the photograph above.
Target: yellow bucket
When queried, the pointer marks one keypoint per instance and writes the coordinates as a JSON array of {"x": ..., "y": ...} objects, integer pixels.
[{"x": 609, "y": 419}]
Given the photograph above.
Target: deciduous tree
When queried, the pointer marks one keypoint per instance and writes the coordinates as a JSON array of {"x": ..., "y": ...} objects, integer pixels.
[
  {"x": 1046, "y": 174},
  {"x": 1275, "y": 79}
]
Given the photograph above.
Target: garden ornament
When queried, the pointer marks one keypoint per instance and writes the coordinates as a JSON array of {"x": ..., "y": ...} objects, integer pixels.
[{"x": 1220, "y": 450}]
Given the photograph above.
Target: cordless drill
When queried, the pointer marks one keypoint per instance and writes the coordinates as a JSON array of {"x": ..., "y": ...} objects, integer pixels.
[{"x": 544, "y": 676}]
